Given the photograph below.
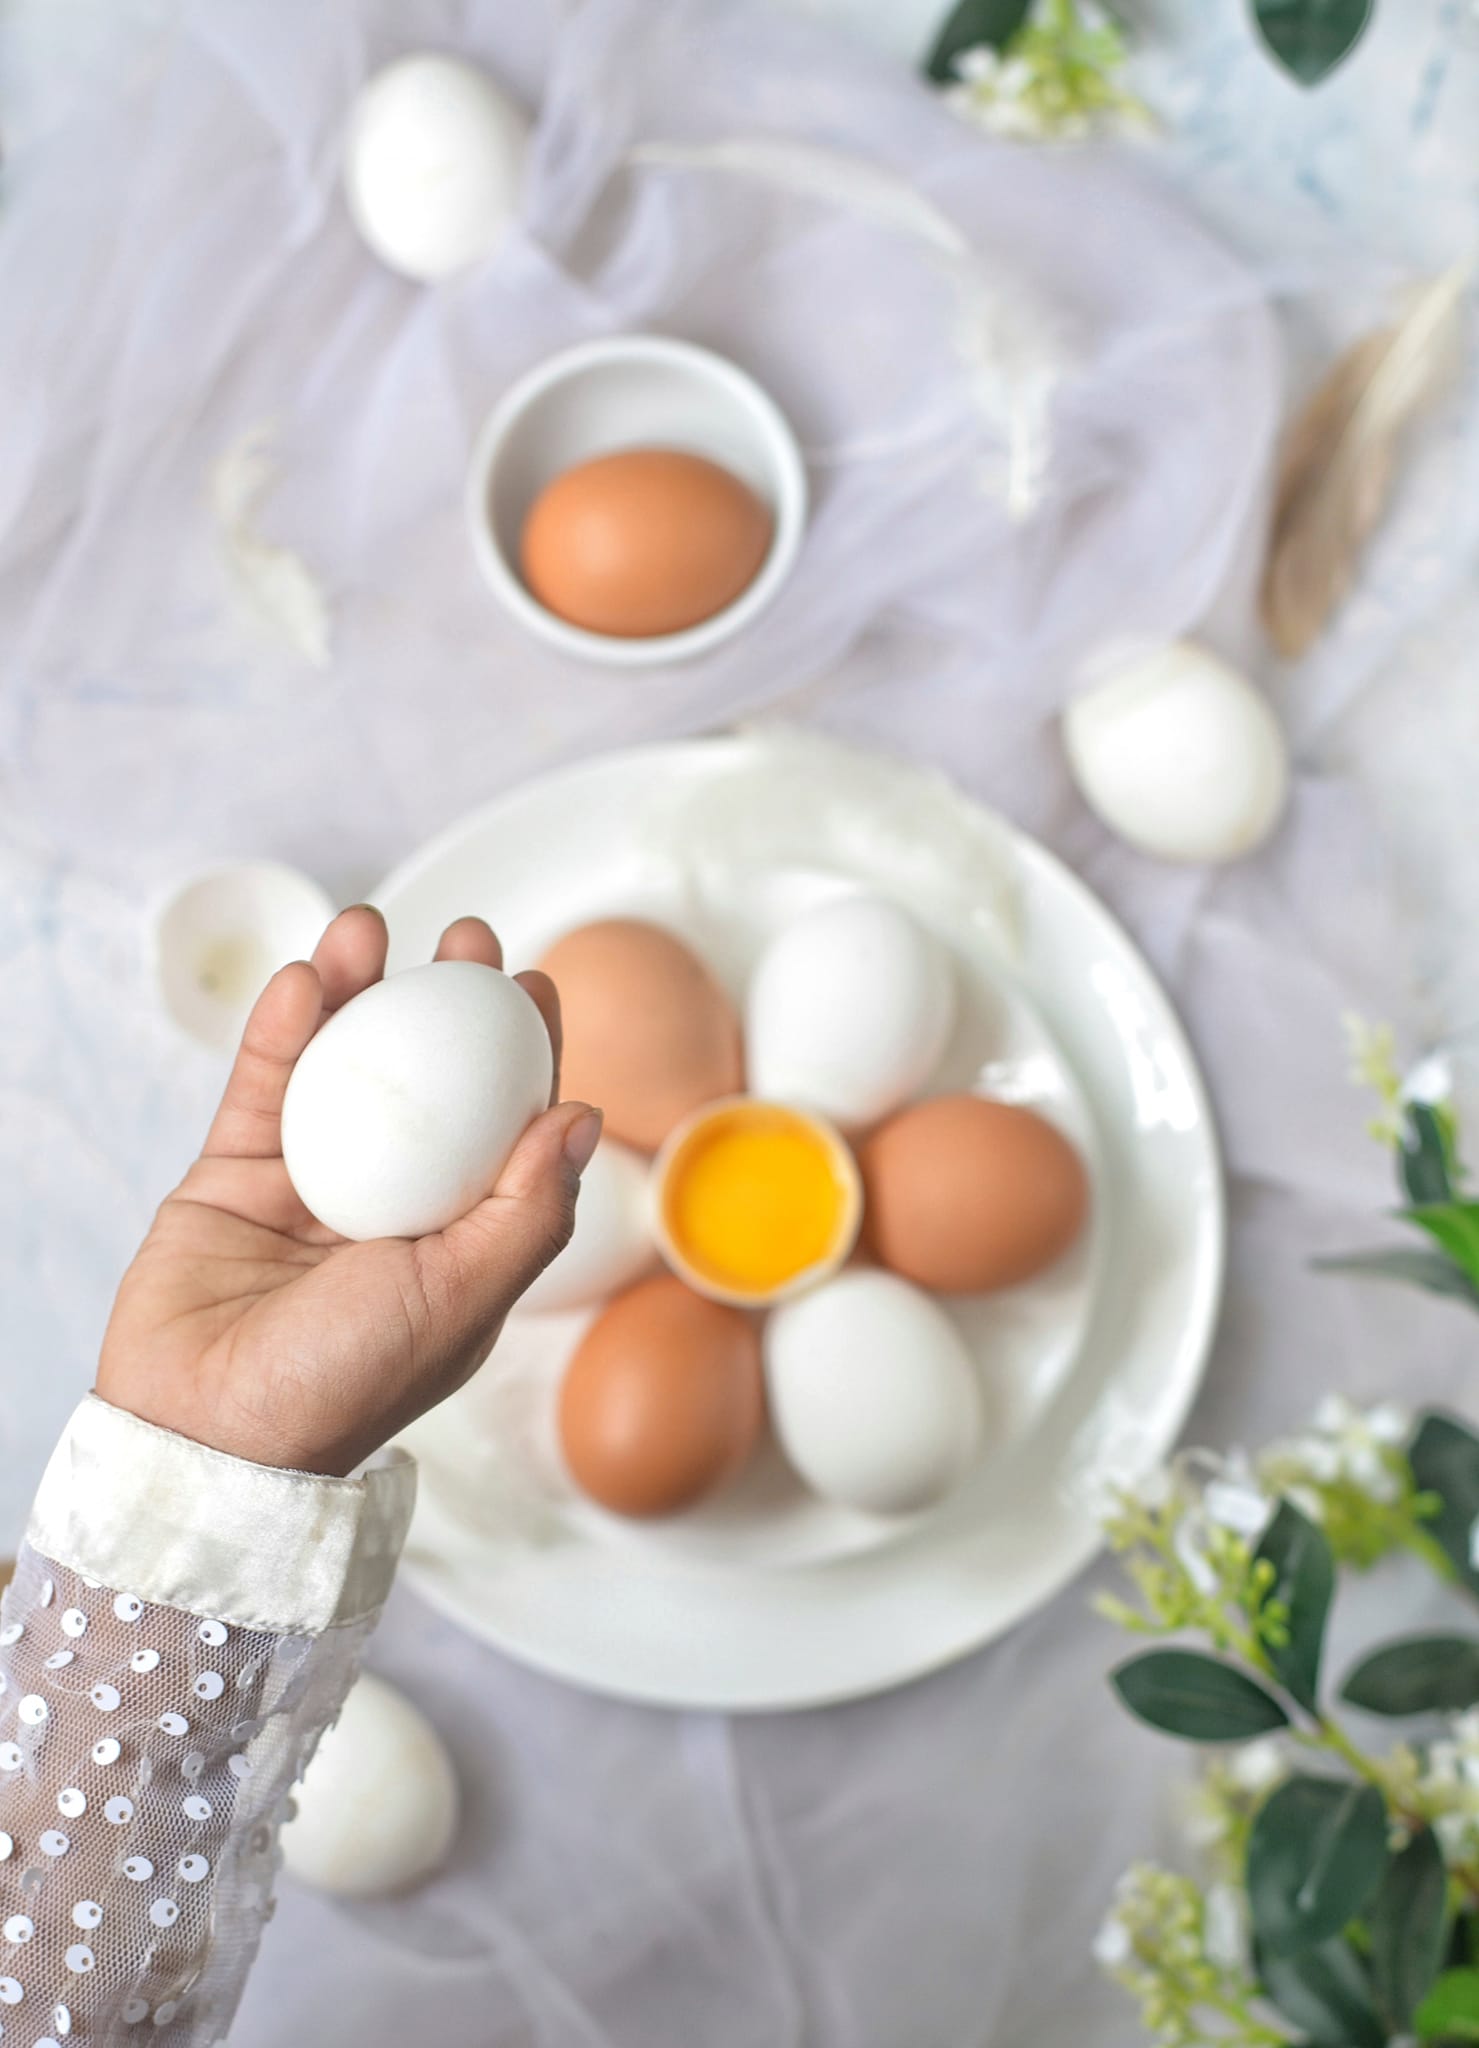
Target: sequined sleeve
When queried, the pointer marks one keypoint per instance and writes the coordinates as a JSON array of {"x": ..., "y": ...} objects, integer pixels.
[{"x": 180, "y": 1630}]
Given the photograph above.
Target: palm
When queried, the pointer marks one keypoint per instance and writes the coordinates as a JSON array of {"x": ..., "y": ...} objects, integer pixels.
[{"x": 245, "y": 1324}]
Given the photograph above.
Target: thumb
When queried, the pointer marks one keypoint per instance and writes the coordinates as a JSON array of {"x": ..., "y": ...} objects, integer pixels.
[{"x": 502, "y": 1246}]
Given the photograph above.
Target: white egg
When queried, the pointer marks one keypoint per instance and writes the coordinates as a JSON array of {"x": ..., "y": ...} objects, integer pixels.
[
  {"x": 613, "y": 1243},
  {"x": 433, "y": 164},
  {"x": 848, "y": 1011},
  {"x": 377, "y": 1808},
  {"x": 872, "y": 1393},
  {"x": 400, "y": 1114},
  {"x": 1180, "y": 755}
]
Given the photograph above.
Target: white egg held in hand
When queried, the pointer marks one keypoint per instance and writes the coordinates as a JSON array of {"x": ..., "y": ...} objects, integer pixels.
[
  {"x": 1180, "y": 755},
  {"x": 377, "y": 1808},
  {"x": 848, "y": 1011},
  {"x": 403, "y": 1110},
  {"x": 433, "y": 164},
  {"x": 872, "y": 1393},
  {"x": 613, "y": 1243}
]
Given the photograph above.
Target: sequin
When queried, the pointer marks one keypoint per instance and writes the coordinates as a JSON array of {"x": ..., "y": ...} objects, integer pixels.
[
  {"x": 192, "y": 1764},
  {"x": 10, "y": 1756},
  {"x": 33, "y": 1710},
  {"x": 11, "y": 1633},
  {"x": 136, "y": 2009},
  {"x": 18, "y": 1930},
  {"x": 108, "y": 1751},
  {"x": 143, "y": 1660},
  {"x": 45, "y": 1593},
  {"x": 7, "y": 1848},
  {"x": 193, "y": 1868},
  {"x": 128, "y": 1606},
  {"x": 118, "y": 1812},
  {"x": 196, "y": 1809},
  {"x": 174, "y": 1724},
  {"x": 71, "y": 1802},
  {"x": 11, "y": 1992},
  {"x": 80, "y": 1959},
  {"x": 213, "y": 1632},
  {"x": 139, "y": 1868},
  {"x": 74, "y": 1622},
  {"x": 54, "y": 1843},
  {"x": 164, "y": 1912},
  {"x": 106, "y": 1698},
  {"x": 59, "y": 1660},
  {"x": 239, "y": 1765},
  {"x": 61, "y": 2019},
  {"x": 163, "y": 2014},
  {"x": 209, "y": 1686},
  {"x": 87, "y": 1913}
]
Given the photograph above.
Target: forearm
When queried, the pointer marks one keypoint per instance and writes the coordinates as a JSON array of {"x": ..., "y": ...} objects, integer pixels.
[{"x": 181, "y": 1629}]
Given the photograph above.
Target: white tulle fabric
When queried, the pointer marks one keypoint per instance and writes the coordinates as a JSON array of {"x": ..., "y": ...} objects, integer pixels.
[
  {"x": 176, "y": 268},
  {"x": 148, "y": 1746}
]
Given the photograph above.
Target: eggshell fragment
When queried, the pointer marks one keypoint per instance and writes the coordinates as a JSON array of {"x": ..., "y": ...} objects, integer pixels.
[
  {"x": 663, "y": 1401},
  {"x": 848, "y": 1010},
  {"x": 963, "y": 1195},
  {"x": 613, "y": 1242},
  {"x": 433, "y": 163},
  {"x": 872, "y": 1393},
  {"x": 402, "y": 1111},
  {"x": 643, "y": 542},
  {"x": 1179, "y": 755},
  {"x": 649, "y": 1033},
  {"x": 378, "y": 1806}
]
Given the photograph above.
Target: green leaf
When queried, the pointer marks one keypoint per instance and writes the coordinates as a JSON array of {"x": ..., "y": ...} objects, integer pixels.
[
  {"x": 1415, "y": 1265},
  {"x": 1200, "y": 1698},
  {"x": 1445, "y": 1461},
  {"x": 1425, "y": 1156},
  {"x": 1300, "y": 1555},
  {"x": 1409, "y": 1928},
  {"x": 1327, "y": 1995},
  {"x": 972, "y": 23},
  {"x": 1417, "y": 1675},
  {"x": 1310, "y": 37},
  {"x": 1451, "y": 2008},
  {"x": 1454, "y": 1226},
  {"x": 1317, "y": 1851}
]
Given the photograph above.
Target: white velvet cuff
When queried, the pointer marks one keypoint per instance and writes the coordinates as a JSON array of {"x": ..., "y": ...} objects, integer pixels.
[{"x": 147, "y": 1512}]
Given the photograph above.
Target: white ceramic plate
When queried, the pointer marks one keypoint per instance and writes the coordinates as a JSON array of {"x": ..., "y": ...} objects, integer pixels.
[{"x": 769, "y": 1599}]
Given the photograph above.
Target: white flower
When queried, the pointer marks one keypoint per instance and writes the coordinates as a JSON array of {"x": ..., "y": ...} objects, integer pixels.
[
  {"x": 1258, "y": 1766},
  {"x": 1225, "y": 1927},
  {"x": 1345, "y": 1445},
  {"x": 1474, "y": 1544},
  {"x": 1112, "y": 1943}
]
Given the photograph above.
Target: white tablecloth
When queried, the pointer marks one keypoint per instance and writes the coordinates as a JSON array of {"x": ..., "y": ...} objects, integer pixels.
[{"x": 924, "y": 1870}]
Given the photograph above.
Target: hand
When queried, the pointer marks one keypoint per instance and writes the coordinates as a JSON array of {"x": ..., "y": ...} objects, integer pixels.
[{"x": 245, "y": 1324}]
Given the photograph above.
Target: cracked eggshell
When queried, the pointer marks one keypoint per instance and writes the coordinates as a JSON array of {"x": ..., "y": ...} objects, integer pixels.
[
  {"x": 378, "y": 1806},
  {"x": 613, "y": 1243},
  {"x": 848, "y": 1011},
  {"x": 1180, "y": 755},
  {"x": 433, "y": 164},
  {"x": 402, "y": 1111}
]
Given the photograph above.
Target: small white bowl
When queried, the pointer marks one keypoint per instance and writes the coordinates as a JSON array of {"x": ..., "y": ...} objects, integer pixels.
[
  {"x": 631, "y": 391},
  {"x": 220, "y": 937}
]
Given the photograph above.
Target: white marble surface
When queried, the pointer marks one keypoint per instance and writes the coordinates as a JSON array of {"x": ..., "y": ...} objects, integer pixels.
[{"x": 920, "y": 1871}]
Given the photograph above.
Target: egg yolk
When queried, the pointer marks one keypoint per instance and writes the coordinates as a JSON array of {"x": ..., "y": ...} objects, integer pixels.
[{"x": 754, "y": 1199}]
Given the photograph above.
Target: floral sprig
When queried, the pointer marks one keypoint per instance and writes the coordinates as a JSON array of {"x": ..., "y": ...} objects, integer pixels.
[
  {"x": 1332, "y": 1894},
  {"x": 1056, "y": 78}
]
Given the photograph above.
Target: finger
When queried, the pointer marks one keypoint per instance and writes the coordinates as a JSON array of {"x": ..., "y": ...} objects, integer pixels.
[
  {"x": 287, "y": 1013},
  {"x": 486, "y": 1260},
  {"x": 351, "y": 954},
  {"x": 534, "y": 982},
  {"x": 471, "y": 939}
]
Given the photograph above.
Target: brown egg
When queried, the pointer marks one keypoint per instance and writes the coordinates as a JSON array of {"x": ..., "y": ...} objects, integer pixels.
[
  {"x": 649, "y": 1033},
  {"x": 644, "y": 542},
  {"x": 663, "y": 1401},
  {"x": 964, "y": 1195}
]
